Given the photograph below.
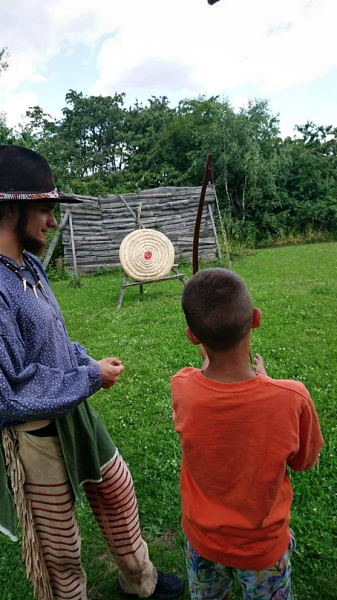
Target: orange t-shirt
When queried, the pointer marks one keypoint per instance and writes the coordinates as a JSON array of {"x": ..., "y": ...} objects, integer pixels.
[{"x": 237, "y": 440}]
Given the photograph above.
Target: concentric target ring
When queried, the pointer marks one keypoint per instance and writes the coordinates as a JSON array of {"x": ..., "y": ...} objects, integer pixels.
[{"x": 146, "y": 255}]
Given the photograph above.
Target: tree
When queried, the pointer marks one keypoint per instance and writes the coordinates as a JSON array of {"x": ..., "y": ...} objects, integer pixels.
[
  {"x": 6, "y": 134},
  {"x": 311, "y": 182},
  {"x": 145, "y": 136},
  {"x": 92, "y": 130},
  {"x": 41, "y": 132},
  {"x": 4, "y": 56}
]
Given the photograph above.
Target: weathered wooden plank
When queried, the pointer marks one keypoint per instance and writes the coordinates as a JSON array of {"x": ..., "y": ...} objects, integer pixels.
[
  {"x": 96, "y": 249},
  {"x": 87, "y": 221},
  {"x": 189, "y": 240},
  {"x": 96, "y": 238},
  {"x": 116, "y": 222},
  {"x": 184, "y": 226},
  {"x": 85, "y": 257},
  {"x": 111, "y": 246},
  {"x": 54, "y": 241},
  {"x": 92, "y": 260},
  {"x": 86, "y": 230},
  {"x": 173, "y": 219},
  {"x": 93, "y": 224},
  {"x": 88, "y": 199},
  {"x": 102, "y": 244},
  {"x": 147, "y": 205},
  {"x": 149, "y": 217},
  {"x": 151, "y": 223},
  {"x": 85, "y": 209},
  {"x": 134, "y": 201}
]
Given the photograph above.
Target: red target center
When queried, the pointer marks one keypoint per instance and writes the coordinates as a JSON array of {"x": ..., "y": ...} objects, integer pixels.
[{"x": 148, "y": 255}]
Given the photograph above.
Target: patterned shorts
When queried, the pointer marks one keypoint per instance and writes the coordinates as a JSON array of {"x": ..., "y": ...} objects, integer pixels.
[{"x": 212, "y": 581}]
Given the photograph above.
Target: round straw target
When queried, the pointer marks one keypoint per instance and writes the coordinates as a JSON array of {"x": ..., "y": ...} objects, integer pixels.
[{"x": 146, "y": 255}]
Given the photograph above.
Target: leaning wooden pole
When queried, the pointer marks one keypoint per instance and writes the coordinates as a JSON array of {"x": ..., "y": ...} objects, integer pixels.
[
  {"x": 215, "y": 233},
  {"x": 52, "y": 246},
  {"x": 73, "y": 245}
]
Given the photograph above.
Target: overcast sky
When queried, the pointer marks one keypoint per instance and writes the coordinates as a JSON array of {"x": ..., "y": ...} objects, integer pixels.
[{"x": 282, "y": 50}]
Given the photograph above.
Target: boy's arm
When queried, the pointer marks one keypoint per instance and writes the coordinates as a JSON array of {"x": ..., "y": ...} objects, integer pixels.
[{"x": 310, "y": 439}]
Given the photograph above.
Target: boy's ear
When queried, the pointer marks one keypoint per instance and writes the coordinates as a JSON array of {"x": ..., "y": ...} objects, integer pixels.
[
  {"x": 192, "y": 337},
  {"x": 257, "y": 316}
]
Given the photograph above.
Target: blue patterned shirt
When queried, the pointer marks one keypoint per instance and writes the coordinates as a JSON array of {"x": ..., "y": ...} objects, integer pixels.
[{"x": 43, "y": 375}]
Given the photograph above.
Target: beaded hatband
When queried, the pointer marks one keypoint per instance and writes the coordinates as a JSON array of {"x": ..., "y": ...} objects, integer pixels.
[{"x": 11, "y": 195}]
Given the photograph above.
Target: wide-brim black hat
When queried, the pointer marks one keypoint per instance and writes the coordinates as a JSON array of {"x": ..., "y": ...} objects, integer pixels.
[{"x": 25, "y": 176}]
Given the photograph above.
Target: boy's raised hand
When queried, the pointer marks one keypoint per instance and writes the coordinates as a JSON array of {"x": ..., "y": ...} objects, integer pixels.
[
  {"x": 111, "y": 368},
  {"x": 258, "y": 365}
]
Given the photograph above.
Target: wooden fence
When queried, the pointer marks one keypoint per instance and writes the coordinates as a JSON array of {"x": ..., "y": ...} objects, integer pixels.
[{"x": 100, "y": 225}]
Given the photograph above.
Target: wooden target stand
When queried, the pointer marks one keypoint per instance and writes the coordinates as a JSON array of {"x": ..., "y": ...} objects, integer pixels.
[
  {"x": 129, "y": 279},
  {"x": 133, "y": 282}
]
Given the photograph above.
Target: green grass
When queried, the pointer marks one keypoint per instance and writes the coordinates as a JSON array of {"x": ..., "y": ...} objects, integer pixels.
[{"x": 296, "y": 289}]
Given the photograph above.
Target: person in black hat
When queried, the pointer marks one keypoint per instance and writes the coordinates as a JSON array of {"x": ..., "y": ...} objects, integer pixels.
[{"x": 52, "y": 441}]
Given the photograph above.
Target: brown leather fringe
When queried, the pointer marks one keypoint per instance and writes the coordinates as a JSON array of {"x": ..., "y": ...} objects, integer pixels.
[{"x": 31, "y": 549}]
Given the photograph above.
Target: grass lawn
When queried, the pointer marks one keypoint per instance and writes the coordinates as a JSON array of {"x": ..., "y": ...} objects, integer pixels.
[{"x": 296, "y": 289}]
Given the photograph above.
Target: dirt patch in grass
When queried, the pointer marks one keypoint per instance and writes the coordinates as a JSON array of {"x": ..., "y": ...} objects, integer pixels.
[
  {"x": 94, "y": 594},
  {"x": 108, "y": 560},
  {"x": 167, "y": 539}
]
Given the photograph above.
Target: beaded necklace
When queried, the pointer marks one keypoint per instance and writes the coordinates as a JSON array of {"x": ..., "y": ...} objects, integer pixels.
[{"x": 28, "y": 263}]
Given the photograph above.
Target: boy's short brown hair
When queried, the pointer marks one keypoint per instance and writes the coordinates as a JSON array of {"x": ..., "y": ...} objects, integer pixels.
[{"x": 218, "y": 308}]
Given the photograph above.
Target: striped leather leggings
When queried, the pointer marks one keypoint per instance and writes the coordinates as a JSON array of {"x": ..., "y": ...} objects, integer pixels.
[{"x": 114, "y": 505}]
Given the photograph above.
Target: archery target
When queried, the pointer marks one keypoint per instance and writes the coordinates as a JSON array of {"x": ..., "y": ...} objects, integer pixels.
[{"x": 146, "y": 255}]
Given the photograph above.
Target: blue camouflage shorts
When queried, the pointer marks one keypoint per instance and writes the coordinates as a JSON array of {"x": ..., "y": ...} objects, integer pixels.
[{"x": 212, "y": 581}]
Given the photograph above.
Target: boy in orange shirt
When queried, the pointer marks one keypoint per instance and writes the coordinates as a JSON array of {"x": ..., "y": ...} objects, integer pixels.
[{"x": 239, "y": 431}]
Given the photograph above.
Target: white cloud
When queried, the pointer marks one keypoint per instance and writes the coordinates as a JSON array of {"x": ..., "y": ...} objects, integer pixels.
[
  {"x": 240, "y": 101},
  {"x": 146, "y": 47},
  {"x": 275, "y": 45},
  {"x": 35, "y": 31},
  {"x": 22, "y": 69},
  {"x": 271, "y": 45},
  {"x": 16, "y": 105}
]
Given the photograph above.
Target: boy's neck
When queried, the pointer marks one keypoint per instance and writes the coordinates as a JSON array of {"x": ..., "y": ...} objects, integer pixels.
[{"x": 230, "y": 366}]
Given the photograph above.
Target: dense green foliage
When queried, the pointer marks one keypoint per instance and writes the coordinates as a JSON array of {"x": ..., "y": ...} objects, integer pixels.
[
  {"x": 296, "y": 289},
  {"x": 268, "y": 187}
]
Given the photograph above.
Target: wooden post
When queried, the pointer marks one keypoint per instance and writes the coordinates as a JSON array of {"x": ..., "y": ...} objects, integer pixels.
[
  {"x": 181, "y": 277},
  {"x": 122, "y": 291},
  {"x": 53, "y": 243},
  {"x": 73, "y": 245},
  {"x": 136, "y": 216},
  {"x": 138, "y": 222}
]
